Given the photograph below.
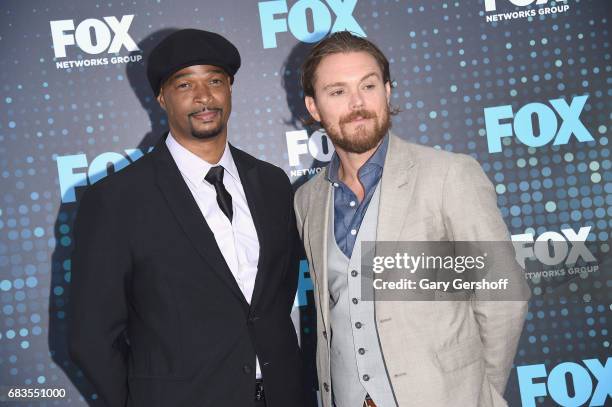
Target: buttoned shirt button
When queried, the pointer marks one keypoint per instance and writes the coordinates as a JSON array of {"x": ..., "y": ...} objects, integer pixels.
[
  {"x": 366, "y": 377},
  {"x": 361, "y": 351},
  {"x": 247, "y": 369},
  {"x": 353, "y": 232},
  {"x": 336, "y": 184},
  {"x": 352, "y": 203},
  {"x": 358, "y": 325},
  {"x": 355, "y": 300},
  {"x": 354, "y": 273}
]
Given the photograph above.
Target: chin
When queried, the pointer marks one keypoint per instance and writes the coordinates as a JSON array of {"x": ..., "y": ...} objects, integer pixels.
[{"x": 206, "y": 134}]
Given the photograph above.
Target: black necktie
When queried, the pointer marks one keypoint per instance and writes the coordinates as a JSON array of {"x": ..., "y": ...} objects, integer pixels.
[{"x": 224, "y": 199}]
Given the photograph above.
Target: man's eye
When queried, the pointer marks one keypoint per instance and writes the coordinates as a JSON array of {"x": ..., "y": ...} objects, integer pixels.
[
  {"x": 216, "y": 81},
  {"x": 337, "y": 92},
  {"x": 370, "y": 86},
  {"x": 182, "y": 85}
]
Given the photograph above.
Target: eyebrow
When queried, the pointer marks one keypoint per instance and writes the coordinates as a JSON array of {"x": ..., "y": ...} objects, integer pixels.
[
  {"x": 212, "y": 71},
  {"x": 331, "y": 85}
]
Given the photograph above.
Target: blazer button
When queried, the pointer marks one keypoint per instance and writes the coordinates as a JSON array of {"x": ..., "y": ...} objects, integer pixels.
[
  {"x": 326, "y": 386},
  {"x": 358, "y": 325},
  {"x": 366, "y": 377},
  {"x": 354, "y": 273},
  {"x": 247, "y": 369}
]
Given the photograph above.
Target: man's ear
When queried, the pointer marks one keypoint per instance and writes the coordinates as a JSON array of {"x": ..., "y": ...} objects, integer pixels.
[
  {"x": 388, "y": 91},
  {"x": 311, "y": 106},
  {"x": 161, "y": 100}
]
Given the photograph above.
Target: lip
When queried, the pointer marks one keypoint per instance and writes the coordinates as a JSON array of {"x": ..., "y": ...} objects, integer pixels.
[
  {"x": 359, "y": 120},
  {"x": 206, "y": 116}
]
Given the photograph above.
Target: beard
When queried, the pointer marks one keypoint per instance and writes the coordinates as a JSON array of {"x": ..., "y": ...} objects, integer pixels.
[
  {"x": 210, "y": 133},
  {"x": 206, "y": 134},
  {"x": 361, "y": 139}
]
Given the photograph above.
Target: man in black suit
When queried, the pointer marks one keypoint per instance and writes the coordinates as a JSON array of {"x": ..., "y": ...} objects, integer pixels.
[{"x": 185, "y": 265}]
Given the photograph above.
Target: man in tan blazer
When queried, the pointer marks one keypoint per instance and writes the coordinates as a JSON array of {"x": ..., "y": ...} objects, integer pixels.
[{"x": 380, "y": 188}]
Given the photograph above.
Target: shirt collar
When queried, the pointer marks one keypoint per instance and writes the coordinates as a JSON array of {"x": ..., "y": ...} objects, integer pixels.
[
  {"x": 194, "y": 167},
  {"x": 377, "y": 159}
]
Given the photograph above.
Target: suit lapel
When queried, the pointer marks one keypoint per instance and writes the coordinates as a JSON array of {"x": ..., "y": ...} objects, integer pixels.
[
  {"x": 188, "y": 215},
  {"x": 397, "y": 183},
  {"x": 318, "y": 231},
  {"x": 254, "y": 191}
]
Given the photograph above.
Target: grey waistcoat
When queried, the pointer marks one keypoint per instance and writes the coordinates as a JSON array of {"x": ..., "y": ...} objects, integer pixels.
[{"x": 357, "y": 365}]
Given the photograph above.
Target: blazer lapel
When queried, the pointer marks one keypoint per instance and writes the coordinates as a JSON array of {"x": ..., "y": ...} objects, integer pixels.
[
  {"x": 251, "y": 183},
  {"x": 397, "y": 183},
  {"x": 320, "y": 203},
  {"x": 188, "y": 215}
]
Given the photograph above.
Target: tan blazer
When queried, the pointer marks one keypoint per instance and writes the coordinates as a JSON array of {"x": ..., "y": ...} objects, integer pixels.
[{"x": 437, "y": 353}]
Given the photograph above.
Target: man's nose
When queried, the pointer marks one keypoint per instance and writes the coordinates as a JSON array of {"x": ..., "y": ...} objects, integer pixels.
[
  {"x": 356, "y": 100},
  {"x": 203, "y": 94}
]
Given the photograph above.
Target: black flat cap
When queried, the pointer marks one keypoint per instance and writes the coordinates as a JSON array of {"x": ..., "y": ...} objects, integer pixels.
[{"x": 189, "y": 47}]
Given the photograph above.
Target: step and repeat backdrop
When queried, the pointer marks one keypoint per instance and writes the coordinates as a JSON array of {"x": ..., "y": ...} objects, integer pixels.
[{"x": 523, "y": 86}]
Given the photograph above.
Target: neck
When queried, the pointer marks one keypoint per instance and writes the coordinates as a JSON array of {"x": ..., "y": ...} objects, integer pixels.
[
  {"x": 209, "y": 149},
  {"x": 350, "y": 163}
]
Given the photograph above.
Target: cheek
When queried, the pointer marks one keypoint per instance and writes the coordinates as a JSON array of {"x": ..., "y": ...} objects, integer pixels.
[
  {"x": 228, "y": 102},
  {"x": 329, "y": 118},
  {"x": 330, "y": 113},
  {"x": 223, "y": 96},
  {"x": 384, "y": 102},
  {"x": 175, "y": 112},
  {"x": 378, "y": 105},
  {"x": 173, "y": 105}
]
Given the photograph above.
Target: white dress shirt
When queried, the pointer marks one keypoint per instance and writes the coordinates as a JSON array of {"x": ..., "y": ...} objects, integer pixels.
[{"x": 237, "y": 239}]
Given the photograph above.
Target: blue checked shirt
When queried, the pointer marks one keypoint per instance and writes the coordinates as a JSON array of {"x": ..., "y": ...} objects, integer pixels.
[{"x": 348, "y": 212}]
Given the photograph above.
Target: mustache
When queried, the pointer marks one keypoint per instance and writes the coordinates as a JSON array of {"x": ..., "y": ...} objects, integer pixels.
[
  {"x": 366, "y": 114},
  {"x": 206, "y": 109}
]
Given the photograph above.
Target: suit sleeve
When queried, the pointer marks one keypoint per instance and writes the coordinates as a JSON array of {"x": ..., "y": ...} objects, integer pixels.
[
  {"x": 98, "y": 307},
  {"x": 298, "y": 216},
  {"x": 471, "y": 214},
  {"x": 293, "y": 245},
  {"x": 295, "y": 253}
]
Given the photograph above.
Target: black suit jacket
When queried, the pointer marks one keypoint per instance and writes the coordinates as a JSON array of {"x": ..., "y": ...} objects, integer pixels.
[{"x": 156, "y": 316}]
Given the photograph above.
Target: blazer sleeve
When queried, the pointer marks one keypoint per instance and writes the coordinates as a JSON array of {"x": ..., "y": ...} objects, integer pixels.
[
  {"x": 98, "y": 308},
  {"x": 298, "y": 196},
  {"x": 471, "y": 214},
  {"x": 295, "y": 251}
]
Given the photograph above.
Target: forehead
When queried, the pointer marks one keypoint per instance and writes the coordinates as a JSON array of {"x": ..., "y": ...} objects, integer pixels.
[
  {"x": 344, "y": 67},
  {"x": 197, "y": 70}
]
